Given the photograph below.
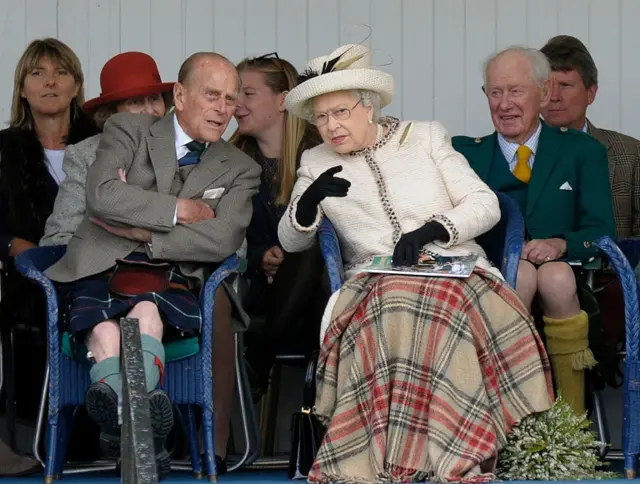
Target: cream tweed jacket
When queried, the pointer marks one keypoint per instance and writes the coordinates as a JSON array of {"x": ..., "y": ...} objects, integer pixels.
[
  {"x": 410, "y": 176},
  {"x": 421, "y": 179}
]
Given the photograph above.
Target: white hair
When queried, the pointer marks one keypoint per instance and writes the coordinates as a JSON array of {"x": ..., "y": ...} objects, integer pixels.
[
  {"x": 540, "y": 68},
  {"x": 365, "y": 97}
]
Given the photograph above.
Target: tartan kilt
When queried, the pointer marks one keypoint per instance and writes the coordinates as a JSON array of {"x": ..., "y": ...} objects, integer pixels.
[
  {"x": 423, "y": 378},
  {"x": 88, "y": 302}
]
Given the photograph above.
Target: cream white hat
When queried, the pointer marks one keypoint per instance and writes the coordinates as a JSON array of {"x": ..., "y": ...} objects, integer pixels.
[{"x": 347, "y": 67}]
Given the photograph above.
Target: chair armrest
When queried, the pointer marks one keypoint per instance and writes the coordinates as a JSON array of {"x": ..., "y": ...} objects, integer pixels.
[
  {"x": 513, "y": 238},
  {"x": 31, "y": 264},
  {"x": 330, "y": 248},
  {"x": 629, "y": 285}
]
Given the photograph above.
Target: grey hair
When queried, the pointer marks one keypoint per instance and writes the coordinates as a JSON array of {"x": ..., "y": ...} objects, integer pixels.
[
  {"x": 365, "y": 97},
  {"x": 540, "y": 68}
]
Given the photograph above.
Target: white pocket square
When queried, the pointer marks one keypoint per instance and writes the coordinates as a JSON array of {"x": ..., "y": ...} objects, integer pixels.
[
  {"x": 213, "y": 193},
  {"x": 566, "y": 186}
]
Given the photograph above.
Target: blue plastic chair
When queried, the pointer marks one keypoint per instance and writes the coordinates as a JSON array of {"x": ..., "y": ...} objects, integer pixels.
[
  {"x": 503, "y": 244},
  {"x": 188, "y": 381}
]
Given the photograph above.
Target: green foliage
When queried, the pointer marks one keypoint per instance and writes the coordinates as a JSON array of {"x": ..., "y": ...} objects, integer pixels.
[{"x": 553, "y": 445}]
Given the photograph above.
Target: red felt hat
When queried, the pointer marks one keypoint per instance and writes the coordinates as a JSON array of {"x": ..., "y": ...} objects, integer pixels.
[{"x": 127, "y": 75}]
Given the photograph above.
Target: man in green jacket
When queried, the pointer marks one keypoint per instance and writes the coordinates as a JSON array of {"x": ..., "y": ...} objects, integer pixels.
[{"x": 559, "y": 177}]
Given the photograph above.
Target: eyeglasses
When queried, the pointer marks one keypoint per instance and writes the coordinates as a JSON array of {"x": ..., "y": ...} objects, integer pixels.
[{"x": 341, "y": 114}]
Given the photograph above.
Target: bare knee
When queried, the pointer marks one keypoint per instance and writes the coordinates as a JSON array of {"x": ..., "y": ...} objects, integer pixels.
[
  {"x": 148, "y": 317},
  {"x": 527, "y": 282},
  {"x": 103, "y": 341},
  {"x": 558, "y": 290}
]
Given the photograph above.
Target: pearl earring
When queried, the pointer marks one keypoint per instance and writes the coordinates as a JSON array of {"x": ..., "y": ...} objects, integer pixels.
[{"x": 371, "y": 121}]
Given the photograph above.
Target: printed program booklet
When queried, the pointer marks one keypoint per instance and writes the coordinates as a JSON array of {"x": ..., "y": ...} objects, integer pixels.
[{"x": 427, "y": 265}]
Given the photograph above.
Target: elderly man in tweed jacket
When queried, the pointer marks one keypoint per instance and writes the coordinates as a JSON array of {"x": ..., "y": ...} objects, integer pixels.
[{"x": 164, "y": 192}]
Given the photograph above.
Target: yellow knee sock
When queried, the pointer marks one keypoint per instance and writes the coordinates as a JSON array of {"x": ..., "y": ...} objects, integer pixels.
[{"x": 568, "y": 348}]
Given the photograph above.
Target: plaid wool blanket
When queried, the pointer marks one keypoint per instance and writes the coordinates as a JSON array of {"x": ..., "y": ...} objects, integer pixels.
[{"x": 422, "y": 378}]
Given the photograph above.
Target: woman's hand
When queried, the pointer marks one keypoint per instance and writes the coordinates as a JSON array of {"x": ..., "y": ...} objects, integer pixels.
[
  {"x": 408, "y": 247},
  {"x": 326, "y": 185},
  {"x": 18, "y": 246},
  {"x": 271, "y": 261}
]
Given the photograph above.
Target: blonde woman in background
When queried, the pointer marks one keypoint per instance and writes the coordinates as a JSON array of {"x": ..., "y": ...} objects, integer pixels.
[{"x": 285, "y": 287}]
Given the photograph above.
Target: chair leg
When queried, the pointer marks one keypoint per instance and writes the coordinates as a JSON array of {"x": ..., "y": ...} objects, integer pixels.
[
  {"x": 42, "y": 414},
  {"x": 209, "y": 446},
  {"x": 53, "y": 420},
  {"x": 10, "y": 394},
  {"x": 600, "y": 421},
  {"x": 247, "y": 411},
  {"x": 187, "y": 414},
  {"x": 65, "y": 430},
  {"x": 630, "y": 465},
  {"x": 272, "y": 397}
]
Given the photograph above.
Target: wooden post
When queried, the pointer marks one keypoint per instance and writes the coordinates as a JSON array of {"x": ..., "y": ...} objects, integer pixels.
[{"x": 137, "y": 450}]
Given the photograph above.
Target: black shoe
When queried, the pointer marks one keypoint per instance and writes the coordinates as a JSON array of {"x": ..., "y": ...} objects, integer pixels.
[
  {"x": 161, "y": 412},
  {"x": 102, "y": 407}
]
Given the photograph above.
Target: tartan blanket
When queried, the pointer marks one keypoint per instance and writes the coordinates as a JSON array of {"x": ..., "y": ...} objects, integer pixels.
[{"x": 423, "y": 378}]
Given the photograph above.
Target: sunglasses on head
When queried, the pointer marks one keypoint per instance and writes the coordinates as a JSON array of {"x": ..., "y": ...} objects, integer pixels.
[{"x": 271, "y": 55}]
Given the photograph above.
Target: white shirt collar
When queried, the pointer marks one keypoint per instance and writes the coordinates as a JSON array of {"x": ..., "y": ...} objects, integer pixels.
[
  {"x": 585, "y": 128},
  {"x": 182, "y": 139},
  {"x": 509, "y": 148}
]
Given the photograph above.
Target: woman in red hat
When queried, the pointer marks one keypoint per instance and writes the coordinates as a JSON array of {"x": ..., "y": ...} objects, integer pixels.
[{"x": 130, "y": 82}]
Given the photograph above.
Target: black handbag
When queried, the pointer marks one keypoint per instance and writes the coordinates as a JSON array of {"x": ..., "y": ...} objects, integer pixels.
[{"x": 306, "y": 430}]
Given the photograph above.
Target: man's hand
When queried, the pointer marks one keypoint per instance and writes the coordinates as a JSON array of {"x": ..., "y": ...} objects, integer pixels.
[
  {"x": 544, "y": 250},
  {"x": 131, "y": 233},
  {"x": 194, "y": 211},
  {"x": 18, "y": 246},
  {"x": 271, "y": 260}
]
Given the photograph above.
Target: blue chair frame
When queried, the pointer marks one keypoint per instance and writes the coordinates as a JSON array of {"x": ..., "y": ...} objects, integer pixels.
[
  {"x": 630, "y": 290},
  {"x": 509, "y": 232},
  {"x": 187, "y": 381}
]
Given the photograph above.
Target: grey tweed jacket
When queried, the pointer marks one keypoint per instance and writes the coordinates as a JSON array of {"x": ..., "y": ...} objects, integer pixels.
[
  {"x": 70, "y": 205},
  {"x": 144, "y": 146}
]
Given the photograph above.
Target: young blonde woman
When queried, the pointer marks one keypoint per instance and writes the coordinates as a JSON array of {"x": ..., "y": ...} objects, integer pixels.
[
  {"x": 285, "y": 287},
  {"x": 46, "y": 116}
]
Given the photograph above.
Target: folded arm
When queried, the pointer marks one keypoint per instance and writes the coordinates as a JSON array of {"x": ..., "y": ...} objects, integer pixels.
[
  {"x": 215, "y": 239},
  {"x": 118, "y": 202},
  {"x": 475, "y": 207}
]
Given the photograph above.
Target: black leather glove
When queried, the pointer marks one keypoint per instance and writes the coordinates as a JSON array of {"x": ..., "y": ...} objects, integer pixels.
[
  {"x": 326, "y": 185},
  {"x": 408, "y": 247}
]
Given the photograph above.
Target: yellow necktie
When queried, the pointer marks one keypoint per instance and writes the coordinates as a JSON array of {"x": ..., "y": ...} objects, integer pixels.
[{"x": 522, "y": 171}]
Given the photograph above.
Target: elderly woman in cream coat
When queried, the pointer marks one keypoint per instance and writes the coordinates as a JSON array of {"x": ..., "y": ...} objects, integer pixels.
[{"x": 419, "y": 378}]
